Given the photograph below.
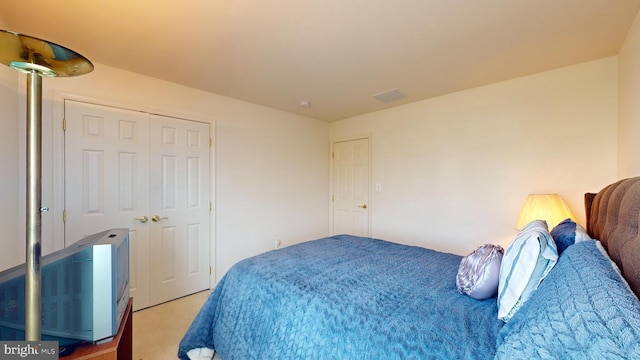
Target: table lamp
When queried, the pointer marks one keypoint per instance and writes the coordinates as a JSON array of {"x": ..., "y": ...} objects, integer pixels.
[{"x": 548, "y": 207}]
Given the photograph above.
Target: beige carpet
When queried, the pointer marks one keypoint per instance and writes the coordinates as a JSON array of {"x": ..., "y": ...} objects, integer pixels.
[{"x": 157, "y": 330}]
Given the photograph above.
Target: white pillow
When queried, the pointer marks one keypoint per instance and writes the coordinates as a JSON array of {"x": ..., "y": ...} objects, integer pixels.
[
  {"x": 479, "y": 272},
  {"x": 527, "y": 261}
]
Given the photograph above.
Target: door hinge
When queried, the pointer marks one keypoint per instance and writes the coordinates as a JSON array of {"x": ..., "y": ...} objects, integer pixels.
[
  {"x": 64, "y": 124},
  {"x": 333, "y": 155},
  {"x": 64, "y": 216},
  {"x": 210, "y": 206},
  {"x": 210, "y": 271},
  {"x": 210, "y": 141},
  {"x": 332, "y": 198}
]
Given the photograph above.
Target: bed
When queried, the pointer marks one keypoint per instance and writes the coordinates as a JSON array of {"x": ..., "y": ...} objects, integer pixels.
[{"x": 347, "y": 297}]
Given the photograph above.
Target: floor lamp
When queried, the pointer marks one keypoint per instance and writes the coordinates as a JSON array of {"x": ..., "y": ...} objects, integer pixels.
[{"x": 37, "y": 58}]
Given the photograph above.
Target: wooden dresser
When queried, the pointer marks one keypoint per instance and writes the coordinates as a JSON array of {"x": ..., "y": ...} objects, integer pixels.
[{"x": 120, "y": 348}]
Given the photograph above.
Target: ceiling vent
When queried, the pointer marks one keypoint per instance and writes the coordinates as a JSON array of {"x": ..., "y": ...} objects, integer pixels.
[{"x": 390, "y": 95}]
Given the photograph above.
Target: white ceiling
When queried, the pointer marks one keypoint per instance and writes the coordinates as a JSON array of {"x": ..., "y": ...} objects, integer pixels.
[{"x": 336, "y": 54}]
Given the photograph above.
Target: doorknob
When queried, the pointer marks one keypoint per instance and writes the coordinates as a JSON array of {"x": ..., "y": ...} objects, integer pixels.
[
  {"x": 156, "y": 218},
  {"x": 364, "y": 206},
  {"x": 142, "y": 219}
]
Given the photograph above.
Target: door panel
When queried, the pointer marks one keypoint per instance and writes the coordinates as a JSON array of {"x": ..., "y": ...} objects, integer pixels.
[
  {"x": 106, "y": 176},
  {"x": 180, "y": 161},
  {"x": 123, "y": 165},
  {"x": 351, "y": 187}
]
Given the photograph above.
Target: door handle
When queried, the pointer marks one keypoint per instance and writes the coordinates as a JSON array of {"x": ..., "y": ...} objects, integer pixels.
[
  {"x": 142, "y": 219},
  {"x": 364, "y": 206},
  {"x": 156, "y": 218}
]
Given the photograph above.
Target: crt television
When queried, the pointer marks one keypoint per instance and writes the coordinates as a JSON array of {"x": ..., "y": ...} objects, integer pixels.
[{"x": 85, "y": 291}]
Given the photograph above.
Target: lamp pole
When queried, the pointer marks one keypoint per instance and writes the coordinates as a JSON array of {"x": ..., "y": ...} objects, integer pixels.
[{"x": 33, "y": 291}]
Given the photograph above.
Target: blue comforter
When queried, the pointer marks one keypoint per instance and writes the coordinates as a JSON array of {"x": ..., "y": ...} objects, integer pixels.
[
  {"x": 583, "y": 310},
  {"x": 344, "y": 297}
]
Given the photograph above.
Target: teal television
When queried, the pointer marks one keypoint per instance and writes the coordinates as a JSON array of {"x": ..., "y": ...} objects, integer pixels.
[{"x": 85, "y": 291}]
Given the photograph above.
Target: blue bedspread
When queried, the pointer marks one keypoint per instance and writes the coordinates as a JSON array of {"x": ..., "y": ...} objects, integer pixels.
[{"x": 344, "y": 297}]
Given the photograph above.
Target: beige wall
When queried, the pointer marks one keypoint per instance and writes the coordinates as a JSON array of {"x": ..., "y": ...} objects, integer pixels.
[
  {"x": 9, "y": 164},
  {"x": 271, "y": 166},
  {"x": 629, "y": 124},
  {"x": 455, "y": 170}
]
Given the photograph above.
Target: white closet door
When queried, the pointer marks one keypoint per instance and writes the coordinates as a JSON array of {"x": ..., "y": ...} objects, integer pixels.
[
  {"x": 106, "y": 181},
  {"x": 179, "y": 205},
  {"x": 122, "y": 168}
]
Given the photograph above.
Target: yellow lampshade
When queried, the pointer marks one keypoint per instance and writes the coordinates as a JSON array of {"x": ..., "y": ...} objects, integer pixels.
[{"x": 548, "y": 207}]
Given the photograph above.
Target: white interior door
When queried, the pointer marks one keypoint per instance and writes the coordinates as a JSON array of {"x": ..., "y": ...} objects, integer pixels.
[
  {"x": 351, "y": 187},
  {"x": 106, "y": 181},
  {"x": 179, "y": 233},
  {"x": 121, "y": 168}
]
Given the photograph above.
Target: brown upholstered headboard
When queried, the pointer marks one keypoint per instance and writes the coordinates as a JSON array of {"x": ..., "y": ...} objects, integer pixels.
[{"x": 612, "y": 217}]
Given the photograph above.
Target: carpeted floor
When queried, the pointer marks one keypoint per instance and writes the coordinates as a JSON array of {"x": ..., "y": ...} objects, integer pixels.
[{"x": 157, "y": 330}]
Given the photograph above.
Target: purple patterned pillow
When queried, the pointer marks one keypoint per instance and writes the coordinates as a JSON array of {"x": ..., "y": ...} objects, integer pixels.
[{"x": 479, "y": 272}]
